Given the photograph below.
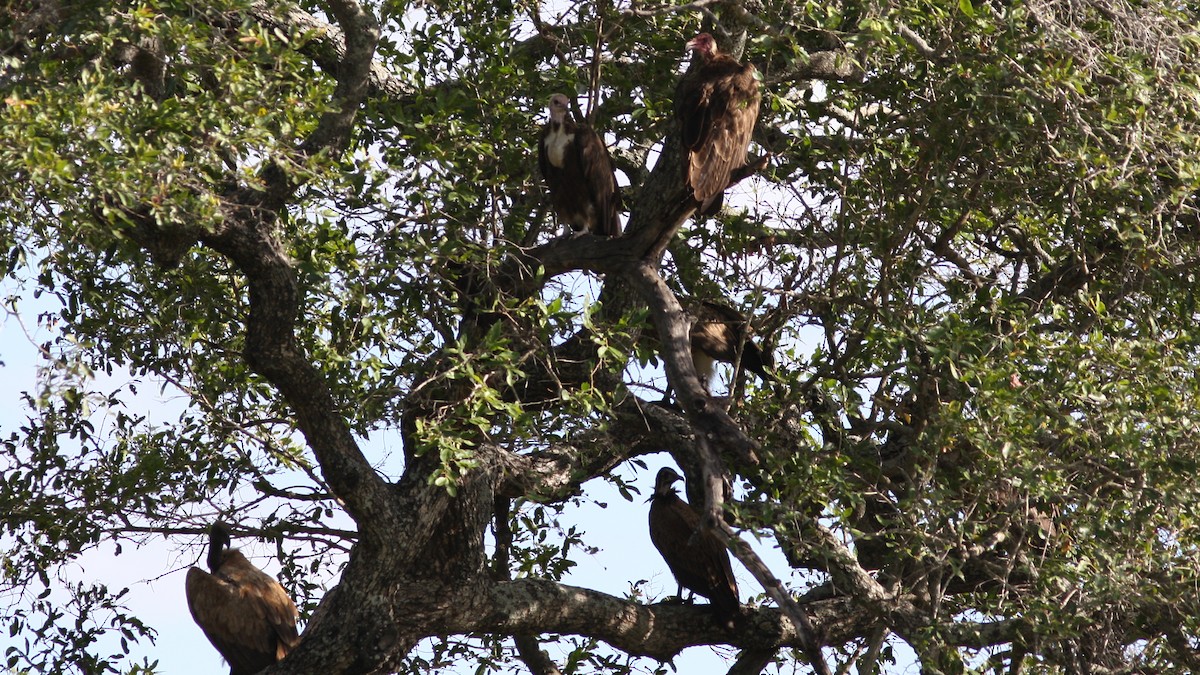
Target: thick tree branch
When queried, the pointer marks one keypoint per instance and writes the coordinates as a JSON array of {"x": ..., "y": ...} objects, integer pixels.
[
  {"x": 247, "y": 237},
  {"x": 845, "y": 570},
  {"x": 361, "y": 33},
  {"x": 660, "y": 631},
  {"x": 674, "y": 330},
  {"x": 327, "y": 44},
  {"x": 832, "y": 66},
  {"x": 530, "y": 606},
  {"x": 271, "y": 348},
  {"x": 636, "y": 428},
  {"x": 702, "y": 6}
]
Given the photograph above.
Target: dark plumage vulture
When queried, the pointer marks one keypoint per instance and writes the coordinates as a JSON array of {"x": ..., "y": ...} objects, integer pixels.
[
  {"x": 718, "y": 332},
  {"x": 579, "y": 173},
  {"x": 243, "y": 611},
  {"x": 696, "y": 557},
  {"x": 716, "y": 104}
]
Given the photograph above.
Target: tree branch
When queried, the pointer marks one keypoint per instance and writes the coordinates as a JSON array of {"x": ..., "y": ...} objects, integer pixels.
[
  {"x": 662, "y": 630},
  {"x": 695, "y": 6},
  {"x": 659, "y": 631},
  {"x": 753, "y": 661},
  {"x": 361, "y": 33},
  {"x": 774, "y": 589},
  {"x": 247, "y": 237},
  {"x": 916, "y": 41},
  {"x": 538, "y": 661},
  {"x": 831, "y": 65},
  {"x": 674, "y": 330},
  {"x": 636, "y": 428}
]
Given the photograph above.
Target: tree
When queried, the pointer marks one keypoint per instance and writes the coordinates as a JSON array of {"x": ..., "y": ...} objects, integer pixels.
[{"x": 973, "y": 249}]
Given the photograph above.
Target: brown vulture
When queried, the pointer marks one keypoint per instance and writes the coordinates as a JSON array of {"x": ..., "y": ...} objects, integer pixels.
[
  {"x": 696, "y": 557},
  {"x": 716, "y": 104},
  {"x": 579, "y": 173},
  {"x": 718, "y": 332},
  {"x": 243, "y": 611}
]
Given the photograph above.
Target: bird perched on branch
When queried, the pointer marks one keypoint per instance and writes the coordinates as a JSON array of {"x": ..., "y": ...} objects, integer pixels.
[
  {"x": 243, "y": 611},
  {"x": 718, "y": 333},
  {"x": 579, "y": 173},
  {"x": 716, "y": 105},
  {"x": 695, "y": 556}
]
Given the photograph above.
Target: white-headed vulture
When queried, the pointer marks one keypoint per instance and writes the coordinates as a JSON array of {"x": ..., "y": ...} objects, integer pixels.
[
  {"x": 243, "y": 611},
  {"x": 717, "y": 333},
  {"x": 716, "y": 104},
  {"x": 695, "y": 556},
  {"x": 579, "y": 173}
]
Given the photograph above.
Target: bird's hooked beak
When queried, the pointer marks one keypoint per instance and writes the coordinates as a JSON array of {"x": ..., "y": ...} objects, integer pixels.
[
  {"x": 691, "y": 46},
  {"x": 663, "y": 486}
]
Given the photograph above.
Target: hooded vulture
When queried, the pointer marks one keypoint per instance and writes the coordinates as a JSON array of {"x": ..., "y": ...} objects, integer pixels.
[
  {"x": 696, "y": 557},
  {"x": 718, "y": 333},
  {"x": 244, "y": 612},
  {"x": 579, "y": 173},
  {"x": 716, "y": 104}
]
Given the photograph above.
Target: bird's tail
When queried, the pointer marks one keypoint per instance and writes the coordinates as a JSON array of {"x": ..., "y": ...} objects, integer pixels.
[{"x": 726, "y": 610}]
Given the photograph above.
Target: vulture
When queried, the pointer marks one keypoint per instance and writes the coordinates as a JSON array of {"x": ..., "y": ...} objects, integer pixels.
[
  {"x": 718, "y": 332},
  {"x": 579, "y": 173},
  {"x": 243, "y": 611},
  {"x": 716, "y": 104},
  {"x": 696, "y": 557}
]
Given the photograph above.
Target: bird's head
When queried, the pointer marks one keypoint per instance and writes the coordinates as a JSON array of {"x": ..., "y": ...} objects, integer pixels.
[
  {"x": 703, "y": 44},
  {"x": 219, "y": 538},
  {"x": 664, "y": 480},
  {"x": 559, "y": 104}
]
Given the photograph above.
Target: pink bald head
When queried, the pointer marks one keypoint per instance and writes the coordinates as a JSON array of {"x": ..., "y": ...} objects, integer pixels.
[{"x": 703, "y": 43}]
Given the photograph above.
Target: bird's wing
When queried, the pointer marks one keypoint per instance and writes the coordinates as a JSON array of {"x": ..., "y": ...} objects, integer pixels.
[
  {"x": 265, "y": 599},
  {"x": 674, "y": 529},
  {"x": 280, "y": 614},
  {"x": 716, "y": 311},
  {"x": 718, "y": 128},
  {"x": 717, "y": 330},
  {"x": 717, "y": 568},
  {"x": 601, "y": 182},
  {"x": 692, "y": 109},
  {"x": 232, "y": 625}
]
